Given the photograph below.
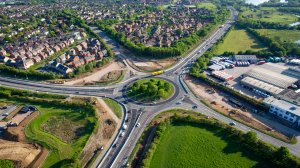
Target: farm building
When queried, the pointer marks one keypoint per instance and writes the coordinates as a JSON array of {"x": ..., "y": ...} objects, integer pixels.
[{"x": 244, "y": 58}]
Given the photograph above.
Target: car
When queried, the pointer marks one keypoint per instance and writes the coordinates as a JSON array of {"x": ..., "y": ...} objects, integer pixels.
[
  {"x": 138, "y": 124},
  {"x": 178, "y": 103},
  {"x": 122, "y": 134},
  {"x": 194, "y": 107},
  {"x": 4, "y": 107},
  {"x": 5, "y": 114},
  {"x": 127, "y": 120},
  {"x": 232, "y": 123},
  {"x": 207, "y": 117},
  {"x": 115, "y": 145}
]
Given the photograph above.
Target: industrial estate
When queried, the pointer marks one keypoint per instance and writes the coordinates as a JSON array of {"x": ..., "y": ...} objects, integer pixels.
[{"x": 147, "y": 83}]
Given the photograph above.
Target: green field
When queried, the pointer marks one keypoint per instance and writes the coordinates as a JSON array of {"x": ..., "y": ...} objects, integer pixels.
[
  {"x": 114, "y": 106},
  {"x": 60, "y": 151},
  {"x": 150, "y": 90},
  {"x": 289, "y": 36},
  {"x": 6, "y": 164},
  {"x": 183, "y": 145},
  {"x": 65, "y": 144},
  {"x": 206, "y": 5},
  {"x": 239, "y": 40},
  {"x": 268, "y": 14}
]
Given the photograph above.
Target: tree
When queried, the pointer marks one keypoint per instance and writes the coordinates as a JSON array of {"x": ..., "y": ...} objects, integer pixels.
[
  {"x": 250, "y": 137},
  {"x": 161, "y": 93}
]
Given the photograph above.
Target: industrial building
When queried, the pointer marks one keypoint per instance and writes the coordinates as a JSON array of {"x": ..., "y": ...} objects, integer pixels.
[
  {"x": 222, "y": 75},
  {"x": 262, "y": 86},
  {"x": 245, "y": 58},
  {"x": 288, "y": 111},
  {"x": 271, "y": 77}
]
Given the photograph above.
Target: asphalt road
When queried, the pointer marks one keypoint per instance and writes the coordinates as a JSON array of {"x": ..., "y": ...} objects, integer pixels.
[{"x": 117, "y": 156}]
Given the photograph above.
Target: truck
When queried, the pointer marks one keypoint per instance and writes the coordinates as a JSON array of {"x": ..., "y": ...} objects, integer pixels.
[{"x": 158, "y": 72}]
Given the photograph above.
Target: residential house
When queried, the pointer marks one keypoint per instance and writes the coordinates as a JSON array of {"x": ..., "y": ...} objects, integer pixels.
[
  {"x": 25, "y": 64},
  {"x": 88, "y": 59},
  {"x": 2, "y": 52},
  {"x": 3, "y": 58},
  {"x": 36, "y": 59}
]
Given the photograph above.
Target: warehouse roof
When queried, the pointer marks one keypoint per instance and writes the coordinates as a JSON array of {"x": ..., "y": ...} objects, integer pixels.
[
  {"x": 271, "y": 77},
  {"x": 289, "y": 71},
  {"x": 245, "y": 57},
  {"x": 261, "y": 85},
  {"x": 290, "y": 96}
]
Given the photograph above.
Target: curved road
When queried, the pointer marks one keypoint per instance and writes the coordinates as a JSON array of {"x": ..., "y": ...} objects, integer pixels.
[{"x": 118, "y": 152}]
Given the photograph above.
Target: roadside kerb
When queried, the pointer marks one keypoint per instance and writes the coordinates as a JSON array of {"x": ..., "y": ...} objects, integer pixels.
[{"x": 117, "y": 135}]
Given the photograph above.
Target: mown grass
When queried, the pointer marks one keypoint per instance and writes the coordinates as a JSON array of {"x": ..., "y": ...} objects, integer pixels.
[
  {"x": 206, "y": 5},
  {"x": 269, "y": 14},
  {"x": 114, "y": 106},
  {"x": 184, "y": 145},
  {"x": 6, "y": 164},
  {"x": 239, "y": 40},
  {"x": 288, "y": 36}
]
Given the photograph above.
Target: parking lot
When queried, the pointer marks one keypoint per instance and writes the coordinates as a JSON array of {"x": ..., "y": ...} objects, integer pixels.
[
  {"x": 6, "y": 110},
  {"x": 236, "y": 72}
]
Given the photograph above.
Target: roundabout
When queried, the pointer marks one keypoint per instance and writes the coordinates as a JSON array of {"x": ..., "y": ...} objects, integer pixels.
[{"x": 150, "y": 91}]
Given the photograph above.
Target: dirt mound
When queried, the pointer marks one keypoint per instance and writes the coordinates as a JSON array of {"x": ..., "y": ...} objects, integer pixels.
[
  {"x": 17, "y": 133},
  {"x": 20, "y": 152}
]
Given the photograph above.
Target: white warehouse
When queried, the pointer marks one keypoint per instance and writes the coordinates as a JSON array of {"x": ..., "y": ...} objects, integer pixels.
[{"x": 283, "y": 109}]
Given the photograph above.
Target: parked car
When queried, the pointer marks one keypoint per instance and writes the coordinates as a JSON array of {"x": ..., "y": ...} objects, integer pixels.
[{"x": 194, "y": 107}]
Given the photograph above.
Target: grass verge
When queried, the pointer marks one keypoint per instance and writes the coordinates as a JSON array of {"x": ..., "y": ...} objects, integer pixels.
[{"x": 114, "y": 106}]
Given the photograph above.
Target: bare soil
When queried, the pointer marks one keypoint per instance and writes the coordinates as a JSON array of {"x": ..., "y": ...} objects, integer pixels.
[
  {"x": 217, "y": 101},
  {"x": 14, "y": 146},
  {"x": 111, "y": 76},
  {"x": 144, "y": 64},
  {"x": 103, "y": 135},
  {"x": 96, "y": 74}
]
